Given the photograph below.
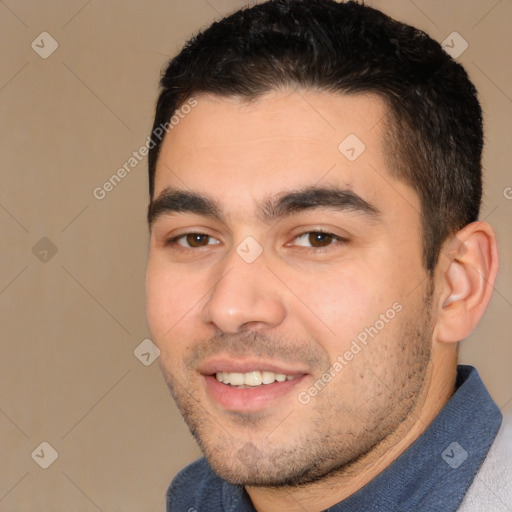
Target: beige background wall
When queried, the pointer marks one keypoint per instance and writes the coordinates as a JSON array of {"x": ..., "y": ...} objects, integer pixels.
[{"x": 70, "y": 321}]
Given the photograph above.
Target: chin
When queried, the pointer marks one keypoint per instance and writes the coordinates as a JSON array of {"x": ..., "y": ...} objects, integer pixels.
[{"x": 249, "y": 466}]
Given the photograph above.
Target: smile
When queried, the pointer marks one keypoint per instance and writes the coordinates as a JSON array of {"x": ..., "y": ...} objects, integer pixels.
[{"x": 252, "y": 379}]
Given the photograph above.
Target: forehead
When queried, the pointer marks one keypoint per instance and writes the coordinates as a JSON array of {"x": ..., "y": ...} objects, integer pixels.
[{"x": 242, "y": 150}]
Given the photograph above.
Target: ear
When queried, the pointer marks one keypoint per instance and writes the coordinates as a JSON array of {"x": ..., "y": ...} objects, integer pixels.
[{"x": 466, "y": 276}]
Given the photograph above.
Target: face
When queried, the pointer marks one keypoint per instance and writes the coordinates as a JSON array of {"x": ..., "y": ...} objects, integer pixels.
[{"x": 285, "y": 288}]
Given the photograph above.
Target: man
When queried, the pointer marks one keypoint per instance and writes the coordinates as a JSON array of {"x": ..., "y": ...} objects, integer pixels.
[{"x": 315, "y": 258}]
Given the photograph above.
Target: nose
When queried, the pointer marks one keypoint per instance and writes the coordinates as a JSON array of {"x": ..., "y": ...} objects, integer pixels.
[{"x": 245, "y": 297}]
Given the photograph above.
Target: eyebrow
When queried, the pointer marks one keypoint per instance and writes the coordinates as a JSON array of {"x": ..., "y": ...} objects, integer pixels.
[
  {"x": 180, "y": 201},
  {"x": 273, "y": 209},
  {"x": 317, "y": 198}
]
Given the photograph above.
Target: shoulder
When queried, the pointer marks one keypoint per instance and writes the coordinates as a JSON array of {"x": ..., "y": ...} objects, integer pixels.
[
  {"x": 192, "y": 486},
  {"x": 492, "y": 486}
]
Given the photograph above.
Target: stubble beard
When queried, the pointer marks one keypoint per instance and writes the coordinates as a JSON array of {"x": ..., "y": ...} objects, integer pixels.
[{"x": 243, "y": 451}]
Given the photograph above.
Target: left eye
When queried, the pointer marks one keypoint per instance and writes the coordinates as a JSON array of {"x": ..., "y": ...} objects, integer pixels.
[
  {"x": 194, "y": 240},
  {"x": 316, "y": 239}
]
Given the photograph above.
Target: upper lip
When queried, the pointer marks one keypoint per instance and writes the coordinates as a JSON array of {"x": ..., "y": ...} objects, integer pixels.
[{"x": 240, "y": 365}]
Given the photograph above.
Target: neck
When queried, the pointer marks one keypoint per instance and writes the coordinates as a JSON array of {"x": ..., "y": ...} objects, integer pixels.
[{"x": 437, "y": 390}]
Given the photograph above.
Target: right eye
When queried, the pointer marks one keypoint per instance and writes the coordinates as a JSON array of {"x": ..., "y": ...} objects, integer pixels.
[{"x": 193, "y": 240}]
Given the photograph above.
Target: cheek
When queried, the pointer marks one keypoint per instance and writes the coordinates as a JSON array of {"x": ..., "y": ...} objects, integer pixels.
[
  {"x": 172, "y": 300},
  {"x": 340, "y": 303},
  {"x": 344, "y": 304}
]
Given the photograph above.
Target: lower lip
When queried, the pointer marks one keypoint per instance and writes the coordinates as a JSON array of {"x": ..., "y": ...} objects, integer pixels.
[{"x": 248, "y": 399}]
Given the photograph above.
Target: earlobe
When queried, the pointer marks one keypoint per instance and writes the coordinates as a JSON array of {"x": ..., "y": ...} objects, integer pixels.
[{"x": 466, "y": 281}]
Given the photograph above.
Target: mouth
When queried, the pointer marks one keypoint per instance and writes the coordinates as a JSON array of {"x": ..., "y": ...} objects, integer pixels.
[
  {"x": 252, "y": 379},
  {"x": 249, "y": 387}
]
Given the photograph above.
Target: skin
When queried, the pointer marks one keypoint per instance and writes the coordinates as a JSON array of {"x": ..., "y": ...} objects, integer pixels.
[{"x": 303, "y": 301}]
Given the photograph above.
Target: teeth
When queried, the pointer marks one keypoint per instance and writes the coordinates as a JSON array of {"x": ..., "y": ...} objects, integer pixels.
[
  {"x": 268, "y": 377},
  {"x": 236, "y": 379},
  {"x": 251, "y": 379}
]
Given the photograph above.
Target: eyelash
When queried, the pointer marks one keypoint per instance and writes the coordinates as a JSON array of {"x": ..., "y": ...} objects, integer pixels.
[
  {"x": 174, "y": 241},
  {"x": 336, "y": 239}
]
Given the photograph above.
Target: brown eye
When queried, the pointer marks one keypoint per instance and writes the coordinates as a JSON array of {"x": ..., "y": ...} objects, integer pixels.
[
  {"x": 193, "y": 240},
  {"x": 319, "y": 239},
  {"x": 197, "y": 240}
]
